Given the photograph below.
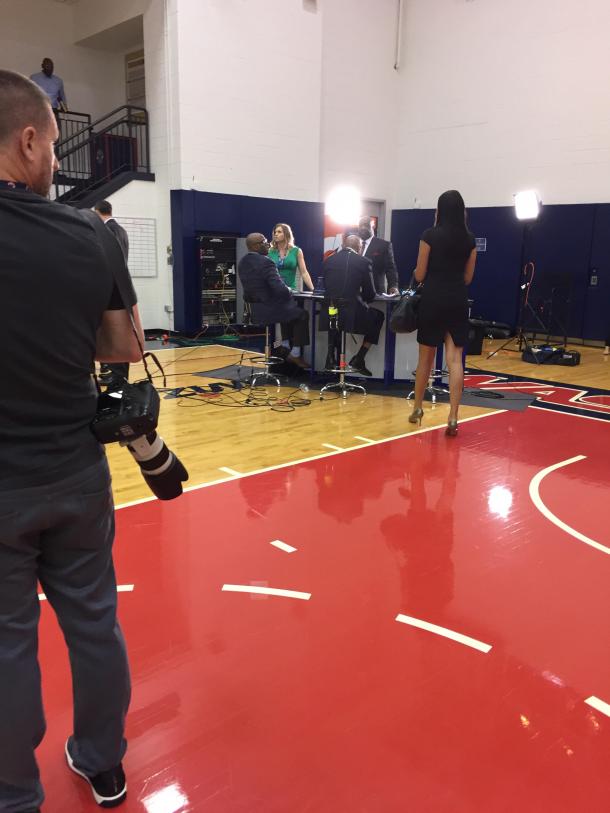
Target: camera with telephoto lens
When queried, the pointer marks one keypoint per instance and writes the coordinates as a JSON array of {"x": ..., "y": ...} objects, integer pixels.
[{"x": 129, "y": 416}]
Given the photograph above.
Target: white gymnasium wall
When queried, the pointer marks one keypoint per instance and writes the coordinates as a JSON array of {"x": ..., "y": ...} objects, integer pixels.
[
  {"x": 92, "y": 16},
  {"x": 360, "y": 97},
  {"x": 263, "y": 98},
  {"x": 500, "y": 96},
  {"x": 249, "y": 97},
  {"x": 32, "y": 29},
  {"x": 152, "y": 200},
  {"x": 141, "y": 199}
]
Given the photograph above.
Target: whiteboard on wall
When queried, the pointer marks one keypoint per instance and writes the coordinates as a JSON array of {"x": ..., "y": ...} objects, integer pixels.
[{"x": 142, "y": 233}]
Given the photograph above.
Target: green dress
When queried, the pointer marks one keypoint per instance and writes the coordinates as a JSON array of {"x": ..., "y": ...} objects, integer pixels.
[{"x": 288, "y": 266}]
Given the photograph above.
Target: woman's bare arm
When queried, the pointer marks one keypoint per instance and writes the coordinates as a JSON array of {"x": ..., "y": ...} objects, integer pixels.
[
  {"x": 303, "y": 271},
  {"x": 422, "y": 261},
  {"x": 469, "y": 270}
]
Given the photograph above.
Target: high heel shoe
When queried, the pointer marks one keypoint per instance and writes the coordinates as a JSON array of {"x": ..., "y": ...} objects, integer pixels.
[
  {"x": 416, "y": 416},
  {"x": 452, "y": 428}
]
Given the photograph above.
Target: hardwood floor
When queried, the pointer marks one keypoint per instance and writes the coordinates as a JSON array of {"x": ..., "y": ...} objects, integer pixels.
[
  {"x": 593, "y": 370},
  {"x": 209, "y": 432}
]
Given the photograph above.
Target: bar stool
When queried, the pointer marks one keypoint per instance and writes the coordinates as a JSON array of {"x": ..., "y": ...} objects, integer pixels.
[
  {"x": 435, "y": 391},
  {"x": 343, "y": 386},
  {"x": 267, "y": 360}
]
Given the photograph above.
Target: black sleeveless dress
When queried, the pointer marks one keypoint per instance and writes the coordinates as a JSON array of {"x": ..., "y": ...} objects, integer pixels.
[{"x": 443, "y": 307}]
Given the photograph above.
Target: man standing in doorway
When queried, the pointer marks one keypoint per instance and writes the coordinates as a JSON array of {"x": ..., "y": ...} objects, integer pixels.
[
  {"x": 113, "y": 375},
  {"x": 381, "y": 255},
  {"x": 52, "y": 85}
]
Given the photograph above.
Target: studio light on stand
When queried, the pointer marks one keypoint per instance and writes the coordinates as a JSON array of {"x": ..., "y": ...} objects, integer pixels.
[
  {"x": 527, "y": 209},
  {"x": 344, "y": 205},
  {"x": 527, "y": 205}
]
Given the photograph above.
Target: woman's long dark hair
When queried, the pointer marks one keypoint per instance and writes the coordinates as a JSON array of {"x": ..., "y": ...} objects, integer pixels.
[{"x": 451, "y": 210}]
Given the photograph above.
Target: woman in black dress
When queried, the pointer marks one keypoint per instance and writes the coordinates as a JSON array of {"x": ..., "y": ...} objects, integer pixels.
[{"x": 446, "y": 260}]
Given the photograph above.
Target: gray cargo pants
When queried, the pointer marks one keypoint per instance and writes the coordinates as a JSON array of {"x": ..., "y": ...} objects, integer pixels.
[{"x": 60, "y": 534}]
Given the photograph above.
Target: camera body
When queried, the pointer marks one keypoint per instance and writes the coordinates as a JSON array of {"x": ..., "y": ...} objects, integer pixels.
[
  {"x": 129, "y": 416},
  {"x": 126, "y": 414}
]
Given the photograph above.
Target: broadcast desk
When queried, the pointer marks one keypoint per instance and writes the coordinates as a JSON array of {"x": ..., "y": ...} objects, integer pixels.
[{"x": 393, "y": 359}]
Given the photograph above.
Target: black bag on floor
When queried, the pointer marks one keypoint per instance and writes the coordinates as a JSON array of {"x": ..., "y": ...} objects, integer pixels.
[{"x": 403, "y": 318}]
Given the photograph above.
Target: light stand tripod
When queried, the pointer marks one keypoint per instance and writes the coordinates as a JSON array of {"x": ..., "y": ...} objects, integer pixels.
[{"x": 525, "y": 309}]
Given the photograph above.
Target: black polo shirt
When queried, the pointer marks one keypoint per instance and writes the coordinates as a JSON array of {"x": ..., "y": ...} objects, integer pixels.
[{"x": 56, "y": 281}]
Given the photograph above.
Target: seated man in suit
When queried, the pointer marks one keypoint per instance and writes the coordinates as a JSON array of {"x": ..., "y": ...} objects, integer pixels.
[
  {"x": 380, "y": 253},
  {"x": 348, "y": 285},
  {"x": 272, "y": 299}
]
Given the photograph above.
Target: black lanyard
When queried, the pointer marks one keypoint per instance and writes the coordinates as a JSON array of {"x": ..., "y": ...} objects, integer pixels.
[{"x": 14, "y": 186}]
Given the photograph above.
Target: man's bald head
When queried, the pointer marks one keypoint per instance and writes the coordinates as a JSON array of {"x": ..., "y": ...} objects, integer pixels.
[
  {"x": 22, "y": 104},
  {"x": 27, "y": 133},
  {"x": 354, "y": 242},
  {"x": 257, "y": 242}
]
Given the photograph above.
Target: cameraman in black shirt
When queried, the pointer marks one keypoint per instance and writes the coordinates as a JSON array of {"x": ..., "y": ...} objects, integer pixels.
[{"x": 61, "y": 311}]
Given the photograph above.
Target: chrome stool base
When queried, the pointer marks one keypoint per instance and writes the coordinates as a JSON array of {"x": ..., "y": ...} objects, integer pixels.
[
  {"x": 431, "y": 388},
  {"x": 342, "y": 370},
  {"x": 343, "y": 387},
  {"x": 266, "y": 361},
  {"x": 265, "y": 377}
]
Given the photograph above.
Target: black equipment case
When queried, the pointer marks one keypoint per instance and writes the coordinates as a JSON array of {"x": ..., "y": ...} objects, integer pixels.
[{"x": 545, "y": 354}]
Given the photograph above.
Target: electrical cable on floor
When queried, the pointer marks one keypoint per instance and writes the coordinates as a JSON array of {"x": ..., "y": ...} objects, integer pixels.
[{"x": 251, "y": 398}]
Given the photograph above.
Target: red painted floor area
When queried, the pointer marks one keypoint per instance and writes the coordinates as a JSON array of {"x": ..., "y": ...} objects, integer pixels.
[{"x": 249, "y": 703}]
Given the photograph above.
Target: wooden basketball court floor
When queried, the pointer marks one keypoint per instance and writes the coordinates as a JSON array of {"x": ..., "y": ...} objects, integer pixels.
[{"x": 347, "y": 613}]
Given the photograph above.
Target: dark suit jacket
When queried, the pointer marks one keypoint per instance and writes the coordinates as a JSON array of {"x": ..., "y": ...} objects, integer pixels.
[
  {"x": 348, "y": 282},
  {"x": 121, "y": 235},
  {"x": 380, "y": 253},
  {"x": 270, "y": 297}
]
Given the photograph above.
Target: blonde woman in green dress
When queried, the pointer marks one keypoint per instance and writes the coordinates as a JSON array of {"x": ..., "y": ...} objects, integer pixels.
[
  {"x": 289, "y": 258},
  {"x": 291, "y": 267}
]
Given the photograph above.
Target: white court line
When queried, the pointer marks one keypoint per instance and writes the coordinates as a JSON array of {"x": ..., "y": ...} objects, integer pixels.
[
  {"x": 265, "y": 591},
  {"x": 536, "y": 499},
  {"x": 232, "y": 472},
  {"x": 364, "y": 440},
  {"x": 321, "y": 456},
  {"x": 454, "y": 636},
  {"x": 334, "y": 448},
  {"x": 277, "y": 543},
  {"x": 598, "y": 705},
  {"x": 121, "y": 588}
]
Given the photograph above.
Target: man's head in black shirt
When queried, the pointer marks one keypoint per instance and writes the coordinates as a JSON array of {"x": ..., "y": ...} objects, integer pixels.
[{"x": 27, "y": 134}]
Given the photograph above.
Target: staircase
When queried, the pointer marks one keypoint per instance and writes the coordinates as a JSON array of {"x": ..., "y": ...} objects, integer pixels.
[{"x": 98, "y": 158}]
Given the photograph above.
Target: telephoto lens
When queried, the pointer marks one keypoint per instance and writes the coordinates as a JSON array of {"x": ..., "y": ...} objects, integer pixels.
[{"x": 162, "y": 470}]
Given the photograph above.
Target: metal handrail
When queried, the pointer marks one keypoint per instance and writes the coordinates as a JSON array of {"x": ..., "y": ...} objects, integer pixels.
[
  {"x": 90, "y": 128},
  {"x": 79, "y": 166}
]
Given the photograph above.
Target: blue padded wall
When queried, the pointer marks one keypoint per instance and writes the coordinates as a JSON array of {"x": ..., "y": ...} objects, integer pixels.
[
  {"x": 495, "y": 285},
  {"x": 565, "y": 243},
  {"x": 569, "y": 244},
  {"x": 193, "y": 212},
  {"x": 596, "y": 312}
]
